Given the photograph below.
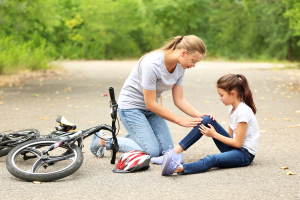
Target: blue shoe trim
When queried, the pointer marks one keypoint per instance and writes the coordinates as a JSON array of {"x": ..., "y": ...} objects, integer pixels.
[{"x": 157, "y": 160}]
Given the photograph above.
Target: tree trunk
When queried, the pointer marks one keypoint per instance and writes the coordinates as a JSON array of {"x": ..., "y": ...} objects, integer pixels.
[
  {"x": 105, "y": 51},
  {"x": 290, "y": 50}
]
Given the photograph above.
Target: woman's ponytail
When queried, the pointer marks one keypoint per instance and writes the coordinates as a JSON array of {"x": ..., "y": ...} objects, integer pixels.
[
  {"x": 239, "y": 83},
  {"x": 191, "y": 43},
  {"x": 171, "y": 45}
]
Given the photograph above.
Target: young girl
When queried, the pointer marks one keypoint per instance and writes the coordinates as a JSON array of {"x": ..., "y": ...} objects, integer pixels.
[
  {"x": 141, "y": 114},
  {"x": 238, "y": 147}
]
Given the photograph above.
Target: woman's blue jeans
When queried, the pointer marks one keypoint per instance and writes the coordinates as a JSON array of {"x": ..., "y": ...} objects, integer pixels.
[
  {"x": 146, "y": 131},
  {"x": 230, "y": 157}
]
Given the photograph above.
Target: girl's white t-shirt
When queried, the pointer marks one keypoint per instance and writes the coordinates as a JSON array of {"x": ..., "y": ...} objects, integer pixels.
[{"x": 243, "y": 113}]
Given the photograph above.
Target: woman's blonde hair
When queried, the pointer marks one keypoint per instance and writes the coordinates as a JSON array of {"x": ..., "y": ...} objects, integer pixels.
[{"x": 191, "y": 43}]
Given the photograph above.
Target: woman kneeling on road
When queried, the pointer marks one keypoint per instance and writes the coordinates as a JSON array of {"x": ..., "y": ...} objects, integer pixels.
[{"x": 139, "y": 111}]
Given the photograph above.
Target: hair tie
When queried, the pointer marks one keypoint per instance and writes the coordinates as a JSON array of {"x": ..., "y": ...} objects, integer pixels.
[{"x": 239, "y": 77}]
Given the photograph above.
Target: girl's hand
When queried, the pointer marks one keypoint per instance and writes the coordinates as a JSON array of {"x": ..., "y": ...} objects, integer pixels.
[
  {"x": 189, "y": 122},
  {"x": 207, "y": 114},
  {"x": 209, "y": 132}
]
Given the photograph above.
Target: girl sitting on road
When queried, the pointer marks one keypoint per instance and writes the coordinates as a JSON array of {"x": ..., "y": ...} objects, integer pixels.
[{"x": 238, "y": 147}]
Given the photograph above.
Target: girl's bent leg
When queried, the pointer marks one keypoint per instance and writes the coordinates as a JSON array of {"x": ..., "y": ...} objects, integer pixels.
[
  {"x": 221, "y": 146},
  {"x": 232, "y": 158},
  {"x": 195, "y": 135}
]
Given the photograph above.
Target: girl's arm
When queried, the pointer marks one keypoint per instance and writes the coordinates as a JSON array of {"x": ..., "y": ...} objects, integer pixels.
[
  {"x": 184, "y": 105},
  {"x": 152, "y": 105},
  {"x": 230, "y": 132},
  {"x": 236, "y": 142}
]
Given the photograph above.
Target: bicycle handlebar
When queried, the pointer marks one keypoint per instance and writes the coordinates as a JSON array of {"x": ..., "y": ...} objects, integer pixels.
[{"x": 112, "y": 95}]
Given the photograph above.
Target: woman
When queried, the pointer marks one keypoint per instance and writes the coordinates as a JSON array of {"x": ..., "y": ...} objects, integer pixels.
[{"x": 141, "y": 114}]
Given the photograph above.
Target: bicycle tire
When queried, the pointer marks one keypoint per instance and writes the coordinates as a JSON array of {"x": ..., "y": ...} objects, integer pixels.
[
  {"x": 5, "y": 151},
  {"x": 43, "y": 177}
]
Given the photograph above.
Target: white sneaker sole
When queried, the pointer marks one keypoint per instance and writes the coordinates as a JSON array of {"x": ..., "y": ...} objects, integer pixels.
[{"x": 166, "y": 162}]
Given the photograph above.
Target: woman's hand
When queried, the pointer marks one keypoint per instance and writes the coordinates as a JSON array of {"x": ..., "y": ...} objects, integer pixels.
[
  {"x": 207, "y": 114},
  {"x": 209, "y": 132},
  {"x": 189, "y": 122}
]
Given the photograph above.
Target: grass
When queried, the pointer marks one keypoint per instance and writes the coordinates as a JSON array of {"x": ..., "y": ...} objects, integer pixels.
[{"x": 15, "y": 57}]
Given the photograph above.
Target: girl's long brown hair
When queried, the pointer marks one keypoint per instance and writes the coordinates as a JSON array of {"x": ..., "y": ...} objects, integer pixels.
[{"x": 239, "y": 83}]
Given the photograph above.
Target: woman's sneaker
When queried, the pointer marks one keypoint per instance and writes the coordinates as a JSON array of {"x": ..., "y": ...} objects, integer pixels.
[
  {"x": 170, "y": 163},
  {"x": 159, "y": 160},
  {"x": 95, "y": 147}
]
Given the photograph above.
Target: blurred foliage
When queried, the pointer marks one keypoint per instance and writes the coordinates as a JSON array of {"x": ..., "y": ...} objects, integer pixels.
[
  {"x": 253, "y": 29},
  {"x": 293, "y": 14},
  {"x": 117, "y": 29},
  {"x": 16, "y": 56}
]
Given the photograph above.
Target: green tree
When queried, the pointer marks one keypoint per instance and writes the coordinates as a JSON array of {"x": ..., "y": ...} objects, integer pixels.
[
  {"x": 181, "y": 17},
  {"x": 114, "y": 29},
  {"x": 28, "y": 20},
  {"x": 293, "y": 14},
  {"x": 252, "y": 29}
]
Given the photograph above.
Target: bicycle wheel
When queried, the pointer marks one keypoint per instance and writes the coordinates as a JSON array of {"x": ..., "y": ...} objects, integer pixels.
[
  {"x": 5, "y": 151},
  {"x": 15, "y": 138},
  {"x": 25, "y": 162}
]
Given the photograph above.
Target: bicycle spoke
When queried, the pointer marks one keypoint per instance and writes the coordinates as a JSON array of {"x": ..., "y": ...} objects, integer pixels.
[
  {"x": 60, "y": 158},
  {"x": 29, "y": 159},
  {"x": 36, "y": 165},
  {"x": 51, "y": 160},
  {"x": 36, "y": 152}
]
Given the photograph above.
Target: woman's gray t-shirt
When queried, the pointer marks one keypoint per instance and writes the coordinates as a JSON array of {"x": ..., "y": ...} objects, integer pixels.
[{"x": 153, "y": 75}]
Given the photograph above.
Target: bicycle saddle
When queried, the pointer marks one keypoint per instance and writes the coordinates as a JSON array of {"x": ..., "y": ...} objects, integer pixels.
[{"x": 64, "y": 123}]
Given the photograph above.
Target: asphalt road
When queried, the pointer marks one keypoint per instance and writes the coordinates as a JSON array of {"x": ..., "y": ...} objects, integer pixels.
[{"x": 77, "y": 95}]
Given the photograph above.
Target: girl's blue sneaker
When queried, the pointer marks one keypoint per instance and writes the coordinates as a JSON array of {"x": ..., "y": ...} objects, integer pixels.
[
  {"x": 170, "y": 163},
  {"x": 159, "y": 160},
  {"x": 95, "y": 147}
]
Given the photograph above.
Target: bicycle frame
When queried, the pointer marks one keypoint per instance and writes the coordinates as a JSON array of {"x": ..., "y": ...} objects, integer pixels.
[
  {"x": 81, "y": 135},
  {"x": 11, "y": 142}
]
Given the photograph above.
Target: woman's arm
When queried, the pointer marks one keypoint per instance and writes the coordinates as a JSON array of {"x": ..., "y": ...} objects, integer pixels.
[
  {"x": 236, "y": 142},
  {"x": 152, "y": 105},
  {"x": 184, "y": 105}
]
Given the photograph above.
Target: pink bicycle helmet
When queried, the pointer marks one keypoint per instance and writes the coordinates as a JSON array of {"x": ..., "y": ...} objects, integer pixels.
[{"x": 132, "y": 161}]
